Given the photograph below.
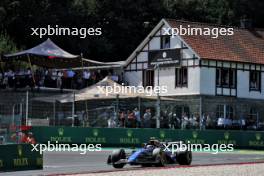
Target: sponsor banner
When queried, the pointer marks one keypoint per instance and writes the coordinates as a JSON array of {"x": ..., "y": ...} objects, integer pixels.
[
  {"x": 165, "y": 57},
  {"x": 129, "y": 137},
  {"x": 19, "y": 157}
]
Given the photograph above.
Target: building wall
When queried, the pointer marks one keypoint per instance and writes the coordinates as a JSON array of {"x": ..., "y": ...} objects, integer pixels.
[
  {"x": 134, "y": 78},
  {"x": 167, "y": 78},
  {"x": 241, "y": 106},
  {"x": 243, "y": 86},
  {"x": 207, "y": 80},
  {"x": 133, "y": 72},
  {"x": 208, "y": 76},
  {"x": 201, "y": 73}
]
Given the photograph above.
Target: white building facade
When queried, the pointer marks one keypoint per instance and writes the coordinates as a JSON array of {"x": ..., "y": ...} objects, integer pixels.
[{"x": 225, "y": 74}]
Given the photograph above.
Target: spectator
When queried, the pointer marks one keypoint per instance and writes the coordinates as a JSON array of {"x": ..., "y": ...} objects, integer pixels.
[
  {"x": 70, "y": 77},
  {"x": 64, "y": 79},
  {"x": 11, "y": 77},
  {"x": 2, "y": 78},
  {"x": 185, "y": 120},
  {"x": 114, "y": 77},
  {"x": 59, "y": 79},
  {"x": 46, "y": 77},
  {"x": 93, "y": 77},
  {"x": 38, "y": 78},
  {"x": 194, "y": 121},
  {"x": 131, "y": 119},
  {"x": 111, "y": 122},
  {"x": 138, "y": 118},
  {"x": 30, "y": 138},
  {"x": 147, "y": 118},
  {"x": 54, "y": 77},
  {"x": 28, "y": 77},
  {"x": 122, "y": 119},
  {"x": 78, "y": 81},
  {"x": 2, "y": 140},
  {"x": 209, "y": 121},
  {"x": 86, "y": 76},
  {"x": 242, "y": 123},
  {"x": 203, "y": 122}
]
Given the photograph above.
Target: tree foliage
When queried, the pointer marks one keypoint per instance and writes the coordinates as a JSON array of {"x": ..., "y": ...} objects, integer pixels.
[{"x": 124, "y": 23}]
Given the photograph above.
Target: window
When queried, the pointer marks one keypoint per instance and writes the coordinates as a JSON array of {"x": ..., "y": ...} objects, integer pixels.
[
  {"x": 225, "y": 111},
  {"x": 220, "y": 111},
  {"x": 148, "y": 78},
  {"x": 181, "y": 77},
  {"x": 226, "y": 77},
  {"x": 253, "y": 113},
  {"x": 229, "y": 112},
  {"x": 164, "y": 42},
  {"x": 252, "y": 116},
  {"x": 255, "y": 80},
  {"x": 182, "y": 109}
]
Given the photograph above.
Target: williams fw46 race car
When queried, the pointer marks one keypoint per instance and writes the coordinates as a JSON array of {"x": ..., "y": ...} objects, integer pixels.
[{"x": 153, "y": 153}]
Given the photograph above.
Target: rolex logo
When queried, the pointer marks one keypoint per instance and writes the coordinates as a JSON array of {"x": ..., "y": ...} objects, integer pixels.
[
  {"x": 162, "y": 134},
  {"x": 95, "y": 132},
  {"x": 19, "y": 150},
  {"x": 226, "y": 135},
  {"x": 129, "y": 133},
  {"x": 61, "y": 131},
  {"x": 258, "y": 136},
  {"x": 194, "y": 134}
]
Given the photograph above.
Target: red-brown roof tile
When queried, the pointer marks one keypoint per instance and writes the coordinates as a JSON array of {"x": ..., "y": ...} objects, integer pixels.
[{"x": 244, "y": 46}]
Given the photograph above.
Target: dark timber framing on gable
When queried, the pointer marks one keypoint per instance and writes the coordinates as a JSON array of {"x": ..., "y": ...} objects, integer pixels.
[{"x": 148, "y": 49}]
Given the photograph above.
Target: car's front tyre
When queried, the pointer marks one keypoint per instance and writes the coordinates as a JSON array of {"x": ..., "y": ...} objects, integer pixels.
[{"x": 116, "y": 156}]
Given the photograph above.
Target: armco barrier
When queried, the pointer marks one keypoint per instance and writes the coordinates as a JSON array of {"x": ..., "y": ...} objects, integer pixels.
[
  {"x": 15, "y": 157},
  {"x": 135, "y": 137}
]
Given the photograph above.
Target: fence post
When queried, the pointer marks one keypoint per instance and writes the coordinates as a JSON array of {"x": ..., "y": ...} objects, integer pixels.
[
  {"x": 54, "y": 113},
  {"x": 87, "y": 115},
  {"x": 73, "y": 108},
  {"x": 21, "y": 113},
  {"x": 26, "y": 108},
  {"x": 200, "y": 114}
]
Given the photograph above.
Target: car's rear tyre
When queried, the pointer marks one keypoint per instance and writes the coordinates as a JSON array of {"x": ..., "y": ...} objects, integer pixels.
[
  {"x": 116, "y": 156},
  {"x": 184, "y": 158}
]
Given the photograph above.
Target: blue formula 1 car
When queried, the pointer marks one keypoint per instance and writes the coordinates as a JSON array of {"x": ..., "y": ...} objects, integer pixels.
[{"x": 152, "y": 153}]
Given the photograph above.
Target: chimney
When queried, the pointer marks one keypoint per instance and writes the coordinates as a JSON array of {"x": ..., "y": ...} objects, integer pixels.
[{"x": 246, "y": 23}]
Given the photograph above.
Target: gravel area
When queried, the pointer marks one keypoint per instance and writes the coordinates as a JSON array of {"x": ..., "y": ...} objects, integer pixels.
[{"x": 220, "y": 170}]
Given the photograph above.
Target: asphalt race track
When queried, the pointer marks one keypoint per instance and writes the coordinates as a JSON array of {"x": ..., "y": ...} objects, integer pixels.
[{"x": 73, "y": 162}]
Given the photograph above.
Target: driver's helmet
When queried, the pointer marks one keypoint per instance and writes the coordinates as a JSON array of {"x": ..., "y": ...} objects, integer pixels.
[
  {"x": 149, "y": 146},
  {"x": 154, "y": 141}
]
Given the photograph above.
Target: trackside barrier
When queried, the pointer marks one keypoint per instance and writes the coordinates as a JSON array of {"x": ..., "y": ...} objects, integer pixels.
[
  {"x": 128, "y": 137},
  {"x": 15, "y": 157}
]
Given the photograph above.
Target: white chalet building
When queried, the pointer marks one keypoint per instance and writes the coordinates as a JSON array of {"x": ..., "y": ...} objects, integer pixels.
[{"x": 224, "y": 76}]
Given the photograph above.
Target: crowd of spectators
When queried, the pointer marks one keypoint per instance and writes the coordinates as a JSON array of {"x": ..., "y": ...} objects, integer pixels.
[
  {"x": 52, "y": 78},
  {"x": 134, "y": 119}
]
